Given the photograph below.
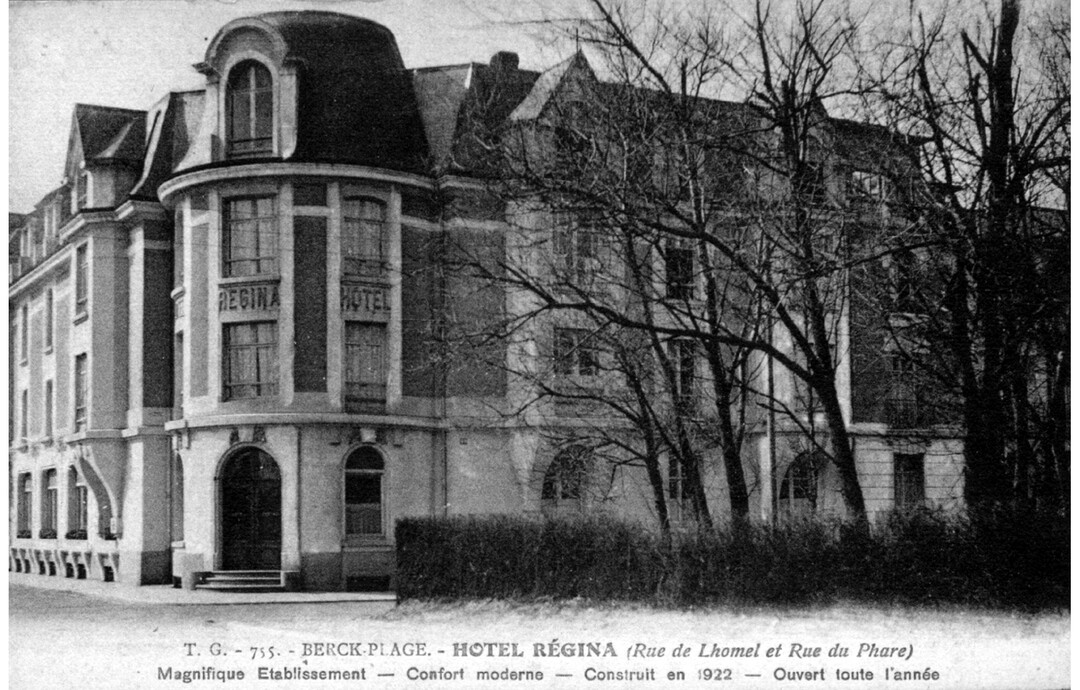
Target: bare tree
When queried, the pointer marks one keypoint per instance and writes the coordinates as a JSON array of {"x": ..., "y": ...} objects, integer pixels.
[{"x": 995, "y": 111}]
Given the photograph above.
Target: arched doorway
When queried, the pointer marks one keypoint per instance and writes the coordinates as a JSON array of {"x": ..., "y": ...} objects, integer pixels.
[{"x": 250, "y": 512}]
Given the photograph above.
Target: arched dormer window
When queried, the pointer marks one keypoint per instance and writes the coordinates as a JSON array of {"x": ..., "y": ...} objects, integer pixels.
[{"x": 249, "y": 110}]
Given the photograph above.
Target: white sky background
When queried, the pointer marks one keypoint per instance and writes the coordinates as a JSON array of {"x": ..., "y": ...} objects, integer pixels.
[{"x": 130, "y": 53}]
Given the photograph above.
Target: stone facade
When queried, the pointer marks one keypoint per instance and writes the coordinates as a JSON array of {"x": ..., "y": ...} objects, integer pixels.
[{"x": 224, "y": 351}]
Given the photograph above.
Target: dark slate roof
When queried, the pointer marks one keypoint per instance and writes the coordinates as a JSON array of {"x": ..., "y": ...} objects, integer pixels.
[
  {"x": 356, "y": 101},
  {"x": 170, "y": 121},
  {"x": 462, "y": 105},
  {"x": 545, "y": 87},
  {"x": 110, "y": 132}
]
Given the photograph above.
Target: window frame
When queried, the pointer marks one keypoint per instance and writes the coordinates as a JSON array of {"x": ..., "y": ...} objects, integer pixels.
[
  {"x": 682, "y": 353},
  {"x": 230, "y": 226},
  {"x": 82, "y": 280},
  {"x": 355, "y": 262},
  {"x": 576, "y": 251},
  {"x": 354, "y": 343},
  {"x": 574, "y": 357},
  {"x": 679, "y": 505},
  {"x": 81, "y": 397},
  {"x": 24, "y": 415},
  {"x": 82, "y": 190},
  {"x": 50, "y": 504},
  {"x": 24, "y": 508},
  {"x": 258, "y": 122},
  {"x": 78, "y": 523},
  {"x": 799, "y": 494},
  {"x": 565, "y": 480},
  {"x": 868, "y": 186},
  {"x": 262, "y": 388},
  {"x": 909, "y": 487},
  {"x": 47, "y": 424},
  {"x": 680, "y": 264},
  {"x": 360, "y": 475},
  {"x": 50, "y": 310},
  {"x": 24, "y": 333}
]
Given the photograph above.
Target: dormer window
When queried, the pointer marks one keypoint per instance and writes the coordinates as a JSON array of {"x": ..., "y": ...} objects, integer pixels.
[
  {"x": 250, "y": 110},
  {"x": 83, "y": 190}
]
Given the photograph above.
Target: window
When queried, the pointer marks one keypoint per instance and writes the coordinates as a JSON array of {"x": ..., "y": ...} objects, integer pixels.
[
  {"x": 571, "y": 142},
  {"x": 249, "y": 238},
  {"x": 679, "y": 503},
  {"x": 24, "y": 332},
  {"x": 575, "y": 253},
  {"x": 574, "y": 354},
  {"x": 37, "y": 245},
  {"x": 178, "y": 376},
  {"x": 78, "y": 506},
  {"x": 49, "y": 319},
  {"x": 82, "y": 192},
  {"x": 81, "y": 280},
  {"x": 905, "y": 282},
  {"x": 809, "y": 182},
  {"x": 363, "y": 241},
  {"x": 564, "y": 480},
  {"x": 798, "y": 491},
  {"x": 250, "y": 360},
  {"x": 47, "y": 427},
  {"x": 49, "y": 505},
  {"x": 910, "y": 485},
  {"x": 52, "y": 225},
  {"x": 80, "y": 392},
  {"x": 365, "y": 362},
  {"x": 24, "y": 405},
  {"x": 26, "y": 499},
  {"x": 679, "y": 269},
  {"x": 867, "y": 186},
  {"x": 249, "y": 110},
  {"x": 363, "y": 493},
  {"x": 902, "y": 406},
  {"x": 178, "y": 249},
  {"x": 682, "y": 356}
]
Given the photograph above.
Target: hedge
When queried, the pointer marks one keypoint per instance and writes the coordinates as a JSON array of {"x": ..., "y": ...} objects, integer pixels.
[{"x": 1001, "y": 558}]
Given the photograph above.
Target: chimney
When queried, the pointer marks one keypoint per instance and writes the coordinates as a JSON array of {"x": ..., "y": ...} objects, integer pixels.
[{"x": 504, "y": 61}]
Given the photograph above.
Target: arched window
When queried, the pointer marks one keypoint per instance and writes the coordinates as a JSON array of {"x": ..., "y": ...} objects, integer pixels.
[
  {"x": 363, "y": 493},
  {"x": 798, "y": 492},
  {"x": 249, "y": 110},
  {"x": 564, "y": 481}
]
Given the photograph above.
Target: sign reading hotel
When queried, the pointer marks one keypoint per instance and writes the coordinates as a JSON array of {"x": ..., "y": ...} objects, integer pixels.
[
  {"x": 248, "y": 297},
  {"x": 367, "y": 302}
]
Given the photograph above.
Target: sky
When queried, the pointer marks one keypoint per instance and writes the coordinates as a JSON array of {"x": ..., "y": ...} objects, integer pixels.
[{"x": 130, "y": 53}]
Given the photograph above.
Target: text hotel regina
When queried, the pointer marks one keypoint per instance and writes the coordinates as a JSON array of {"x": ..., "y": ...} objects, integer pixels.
[{"x": 221, "y": 322}]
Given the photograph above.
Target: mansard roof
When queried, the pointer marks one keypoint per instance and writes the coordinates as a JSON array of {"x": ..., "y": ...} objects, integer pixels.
[
  {"x": 462, "y": 104},
  {"x": 106, "y": 133},
  {"x": 355, "y": 102}
]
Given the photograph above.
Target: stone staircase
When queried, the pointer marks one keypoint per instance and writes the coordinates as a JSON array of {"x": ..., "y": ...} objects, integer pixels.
[{"x": 243, "y": 581}]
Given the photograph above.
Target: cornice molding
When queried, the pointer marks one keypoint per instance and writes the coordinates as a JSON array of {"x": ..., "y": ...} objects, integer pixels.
[{"x": 263, "y": 170}]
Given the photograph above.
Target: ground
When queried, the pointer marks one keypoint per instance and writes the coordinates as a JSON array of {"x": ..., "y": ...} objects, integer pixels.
[{"x": 68, "y": 639}]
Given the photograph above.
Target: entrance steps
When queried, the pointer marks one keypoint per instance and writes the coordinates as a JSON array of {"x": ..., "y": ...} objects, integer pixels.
[{"x": 244, "y": 581}]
